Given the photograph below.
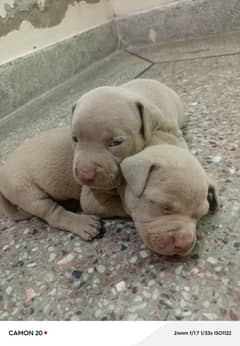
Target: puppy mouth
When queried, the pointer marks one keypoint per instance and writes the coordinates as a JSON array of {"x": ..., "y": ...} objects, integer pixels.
[
  {"x": 174, "y": 252},
  {"x": 101, "y": 182},
  {"x": 186, "y": 253},
  {"x": 180, "y": 252},
  {"x": 107, "y": 185}
]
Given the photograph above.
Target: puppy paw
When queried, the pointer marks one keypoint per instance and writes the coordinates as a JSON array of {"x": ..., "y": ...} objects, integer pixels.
[{"x": 89, "y": 228}]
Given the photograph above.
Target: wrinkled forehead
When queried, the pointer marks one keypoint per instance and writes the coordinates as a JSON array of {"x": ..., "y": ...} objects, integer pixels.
[
  {"x": 183, "y": 185},
  {"x": 103, "y": 104},
  {"x": 100, "y": 128},
  {"x": 104, "y": 122}
]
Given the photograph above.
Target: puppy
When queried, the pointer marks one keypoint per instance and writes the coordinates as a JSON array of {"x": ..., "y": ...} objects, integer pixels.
[
  {"x": 37, "y": 176},
  {"x": 112, "y": 123},
  {"x": 167, "y": 192}
]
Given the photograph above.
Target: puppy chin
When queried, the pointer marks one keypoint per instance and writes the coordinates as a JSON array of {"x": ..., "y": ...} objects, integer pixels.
[
  {"x": 105, "y": 186},
  {"x": 169, "y": 252},
  {"x": 105, "y": 183}
]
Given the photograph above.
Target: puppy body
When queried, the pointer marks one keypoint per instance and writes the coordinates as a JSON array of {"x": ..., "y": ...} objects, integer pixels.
[
  {"x": 129, "y": 117},
  {"x": 52, "y": 150},
  {"x": 37, "y": 175}
]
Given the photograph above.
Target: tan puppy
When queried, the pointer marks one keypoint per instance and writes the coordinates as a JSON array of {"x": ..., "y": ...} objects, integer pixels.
[
  {"x": 112, "y": 123},
  {"x": 167, "y": 193},
  {"x": 37, "y": 176}
]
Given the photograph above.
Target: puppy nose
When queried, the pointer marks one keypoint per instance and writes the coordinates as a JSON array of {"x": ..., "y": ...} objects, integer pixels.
[
  {"x": 87, "y": 176},
  {"x": 182, "y": 244}
]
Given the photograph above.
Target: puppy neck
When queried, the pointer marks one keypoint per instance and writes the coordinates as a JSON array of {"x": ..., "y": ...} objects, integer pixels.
[{"x": 163, "y": 137}]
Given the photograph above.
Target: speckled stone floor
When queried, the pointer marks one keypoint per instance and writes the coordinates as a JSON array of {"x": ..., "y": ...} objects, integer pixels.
[{"x": 46, "y": 274}]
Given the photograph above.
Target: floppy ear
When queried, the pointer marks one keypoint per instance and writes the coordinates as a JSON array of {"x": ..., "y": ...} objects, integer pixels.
[
  {"x": 146, "y": 121},
  {"x": 136, "y": 171},
  {"x": 213, "y": 199},
  {"x": 152, "y": 118},
  {"x": 149, "y": 117}
]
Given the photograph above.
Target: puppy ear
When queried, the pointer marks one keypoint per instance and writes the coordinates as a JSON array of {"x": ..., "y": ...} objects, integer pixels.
[
  {"x": 136, "y": 171},
  {"x": 213, "y": 199},
  {"x": 152, "y": 118},
  {"x": 146, "y": 128}
]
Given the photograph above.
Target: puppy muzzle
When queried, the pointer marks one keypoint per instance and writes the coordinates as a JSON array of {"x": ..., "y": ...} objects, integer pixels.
[
  {"x": 168, "y": 241},
  {"x": 98, "y": 178}
]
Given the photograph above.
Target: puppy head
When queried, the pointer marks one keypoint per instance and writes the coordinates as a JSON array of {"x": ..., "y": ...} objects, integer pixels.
[
  {"x": 108, "y": 125},
  {"x": 169, "y": 193}
]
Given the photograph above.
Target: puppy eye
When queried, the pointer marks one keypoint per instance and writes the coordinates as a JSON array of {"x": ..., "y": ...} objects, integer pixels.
[
  {"x": 74, "y": 139},
  {"x": 167, "y": 209},
  {"x": 116, "y": 142}
]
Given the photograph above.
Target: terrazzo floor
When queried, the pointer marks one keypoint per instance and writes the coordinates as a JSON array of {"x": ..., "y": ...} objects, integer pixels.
[{"x": 46, "y": 274}]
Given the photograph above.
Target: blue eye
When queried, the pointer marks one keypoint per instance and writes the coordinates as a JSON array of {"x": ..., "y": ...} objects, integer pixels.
[
  {"x": 116, "y": 142},
  {"x": 74, "y": 139}
]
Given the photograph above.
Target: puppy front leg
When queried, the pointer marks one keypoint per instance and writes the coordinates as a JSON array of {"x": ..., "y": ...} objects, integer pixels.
[
  {"x": 40, "y": 205},
  {"x": 86, "y": 226},
  {"x": 101, "y": 203}
]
